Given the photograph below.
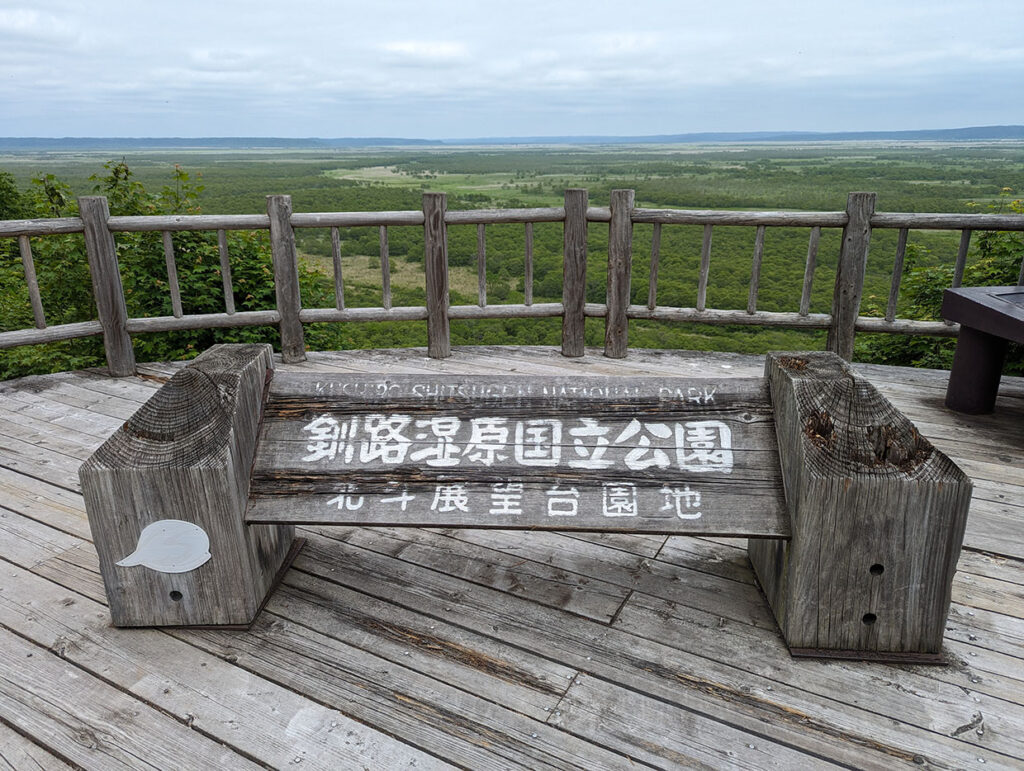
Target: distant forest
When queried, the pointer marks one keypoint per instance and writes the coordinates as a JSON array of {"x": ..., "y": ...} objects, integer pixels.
[{"x": 975, "y": 176}]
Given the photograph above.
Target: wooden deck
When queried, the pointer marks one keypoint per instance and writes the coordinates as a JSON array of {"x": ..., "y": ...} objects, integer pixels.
[{"x": 388, "y": 648}]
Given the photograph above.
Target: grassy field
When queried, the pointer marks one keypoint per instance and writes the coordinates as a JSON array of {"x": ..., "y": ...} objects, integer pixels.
[{"x": 910, "y": 176}]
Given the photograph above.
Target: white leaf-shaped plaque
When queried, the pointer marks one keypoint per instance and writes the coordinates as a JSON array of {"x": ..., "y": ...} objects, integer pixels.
[{"x": 170, "y": 546}]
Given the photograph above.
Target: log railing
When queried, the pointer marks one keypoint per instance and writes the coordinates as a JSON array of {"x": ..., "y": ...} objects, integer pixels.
[{"x": 842, "y": 323}]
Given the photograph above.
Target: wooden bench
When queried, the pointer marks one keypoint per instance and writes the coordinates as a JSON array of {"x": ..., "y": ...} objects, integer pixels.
[{"x": 855, "y": 521}]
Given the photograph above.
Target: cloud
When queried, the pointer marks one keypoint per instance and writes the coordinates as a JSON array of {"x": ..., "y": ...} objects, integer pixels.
[{"x": 316, "y": 67}]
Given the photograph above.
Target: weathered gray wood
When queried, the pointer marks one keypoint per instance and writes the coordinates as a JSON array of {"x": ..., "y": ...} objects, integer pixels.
[
  {"x": 879, "y": 517},
  {"x": 921, "y": 221},
  {"x": 41, "y": 227},
  {"x": 351, "y": 219},
  {"x": 961, "y": 258},
  {"x": 186, "y": 455},
  {"x": 537, "y": 453},
  {"x": 25, "y": 247},
  {"x": 652, "y": 283},
  {"x": 528, "y": 266},
  {"x": 385, "y": 268},
  {"x": 897, "y": 275},
  {"x": 620, "y": 261},
  {"x": 705, "y": 268},
  {"x": 286, "y": 278},
  {"x": 225, "y": 272},
  {"x": 226, "y": 703},
  {"x": 755, "y": 270},
  {"x": 714, "y": 217},
  {"x": 203, "y": 321},
  {"x": 812, "y": 261},
  {"x": 106, "y": 285},
  {"x": 599, "y": 214},
  {"x": 403, "y": 313},
  {"x": 178, "y": 222},
  {"x": 505, "y": 311},
  {"x": 50, "y": 334},
  {"x": 850, "y": 274},
  {"x": 172, "y": 274},
  {"x": 339, "y": 278},
  {"x": 574, "y": 272},
  {"x": 18, "y": 753},
  {"x": 907, "y": 327},
  {"x": 714, "y": 316},
  {"x": 481, "y": 265},
  {"x": 84, "y": 720},
  {"x": 509, "y": 216},
  {"x": 435, "y": 237}
]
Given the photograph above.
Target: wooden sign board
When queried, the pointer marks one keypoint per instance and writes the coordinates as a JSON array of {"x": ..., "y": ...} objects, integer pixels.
[{"x": 657, "y": 455}]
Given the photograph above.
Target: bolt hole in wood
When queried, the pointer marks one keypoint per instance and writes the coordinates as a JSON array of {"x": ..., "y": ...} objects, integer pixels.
[
  {"x": 176, "y": 595},
  {"x": 869, "y": 618},
  {"x": 876, "y": 569}
]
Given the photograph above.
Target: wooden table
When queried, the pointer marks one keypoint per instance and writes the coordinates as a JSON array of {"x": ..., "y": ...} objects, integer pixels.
[{"x": 990, "y": 317}]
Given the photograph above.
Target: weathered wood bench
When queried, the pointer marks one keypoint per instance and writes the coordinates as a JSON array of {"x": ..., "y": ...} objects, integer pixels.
[{"x": 855, "y": 521}]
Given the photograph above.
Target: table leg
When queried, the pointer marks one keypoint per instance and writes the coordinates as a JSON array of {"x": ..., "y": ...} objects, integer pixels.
[{"x": 977, "y": 367}]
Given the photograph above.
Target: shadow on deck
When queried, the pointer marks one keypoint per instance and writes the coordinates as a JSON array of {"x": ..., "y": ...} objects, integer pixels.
[{"x": 390, "y": 648}]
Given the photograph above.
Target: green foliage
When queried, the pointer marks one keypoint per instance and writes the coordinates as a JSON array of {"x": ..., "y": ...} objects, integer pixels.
[{"x": 907, "y": 179}]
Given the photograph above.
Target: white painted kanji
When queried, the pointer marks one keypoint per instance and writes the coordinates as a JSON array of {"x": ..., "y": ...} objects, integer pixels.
[
  {"x": 704, "y": 445},
  {"x": 487, "y": 438},
  {"x": 590, "y": 456},
  {"x": 644, "y": 455},
  {"x": 506, "y": 498},
  {"x": 444, "y": 450},
  {"x": 538, "y": 442},
  {"x": 403, "y": 498},
  {"x": 563, "y": 501},
  {"x": 329, "y": 438},
  {"x": 618, "y": 499},
  {"x": 682, "y": 500},
  {"x": 385, "y": 440},
  {"x": 450, "y": 497},
  {"x": 347, "y": 499}
]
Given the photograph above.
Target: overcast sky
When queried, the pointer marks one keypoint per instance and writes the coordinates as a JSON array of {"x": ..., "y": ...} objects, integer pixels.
[{"x": 447, "y": 68}]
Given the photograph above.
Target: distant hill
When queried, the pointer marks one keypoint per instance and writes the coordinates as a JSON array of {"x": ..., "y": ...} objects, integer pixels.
[{"x": 57, "y": 144}]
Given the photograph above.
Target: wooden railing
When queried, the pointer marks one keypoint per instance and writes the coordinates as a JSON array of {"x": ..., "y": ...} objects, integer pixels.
[{"x": 843, "y": 322}]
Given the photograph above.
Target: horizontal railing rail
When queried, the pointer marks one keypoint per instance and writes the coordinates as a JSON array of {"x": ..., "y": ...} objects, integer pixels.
[{"x": 842, "y": 322}]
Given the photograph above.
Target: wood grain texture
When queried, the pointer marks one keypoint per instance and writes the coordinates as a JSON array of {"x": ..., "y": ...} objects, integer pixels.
[
  {"x": 29, "y": 267},
  {"x": 755, "y": 270},
  {"x": 878, "y": 516},
  {"x": 620, "y": 265},
  {"x": 705, "y": 268},
  {"x": 339, "y": 276},
  {"x": 286, "y": 278},
  {"x": 897, "y": 275},
  {"x": 526, "y": 453},
  {"x": 186, "y": 455},
  {"x": 652, "y": 280},
  {"x": 574, "y": 272},
  {"x": 435, "y": 237},
  {"x": 225, "y": 272},
  {"x": 385, "y": 268},
  {"x": 172, "y": 274},
  {"x": 850, "y": 274},
  {"x": 809, "y": 266},
  {"x": 106, "y": 285}
]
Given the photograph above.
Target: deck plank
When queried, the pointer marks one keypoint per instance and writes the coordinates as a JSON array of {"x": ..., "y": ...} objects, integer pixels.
[{"x": 484, "y": 648}]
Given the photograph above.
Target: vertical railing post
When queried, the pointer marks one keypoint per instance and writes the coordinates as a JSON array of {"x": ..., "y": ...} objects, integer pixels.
[
  {"x": 574, "y": 272},
  {"x": 620, "y": 258},
  {"x": 853, "y": 260},
  {"x": 106, "y": 285},
  {"x": 435, "y": 240},
  {"x": 286, "y": 278}
]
